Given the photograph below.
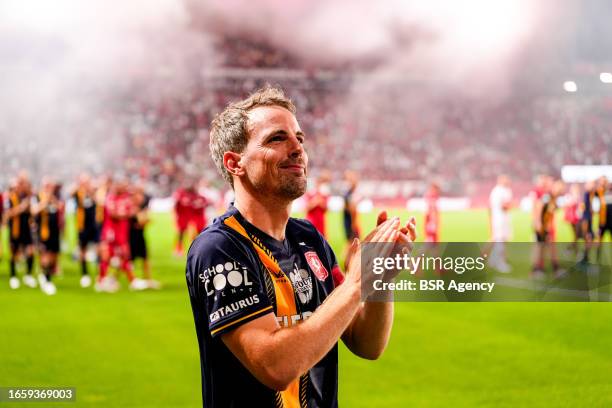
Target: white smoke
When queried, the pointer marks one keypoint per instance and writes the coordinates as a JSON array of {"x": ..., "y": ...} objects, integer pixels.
[{"x": 66, "y": 64}]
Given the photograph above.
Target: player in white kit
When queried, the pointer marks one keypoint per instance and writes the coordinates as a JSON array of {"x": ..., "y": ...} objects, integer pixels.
[{"x": 500, "y": 202}]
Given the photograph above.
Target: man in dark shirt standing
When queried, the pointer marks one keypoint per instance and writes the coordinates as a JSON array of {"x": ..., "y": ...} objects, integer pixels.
[
  {"x": 19, "y": 217},
  {"x": 604, "y": 194},
  {"x": 86, "y": 223},
  {"x": 47, "y": 212},
  {"x": 268, "y": 298}
]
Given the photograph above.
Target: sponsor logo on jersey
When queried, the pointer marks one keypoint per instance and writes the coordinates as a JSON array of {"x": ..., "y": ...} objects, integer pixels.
[
  {"x": 228, "y": 310},
  {"x": 296, "y": 318},
  {"x": 302, "y": 283},
  {"x": 224, "y": 276},
  {"x": 316, "y": 265}
]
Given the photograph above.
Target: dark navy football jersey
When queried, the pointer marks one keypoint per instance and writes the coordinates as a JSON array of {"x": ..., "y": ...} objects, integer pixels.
[
  {"x": 48, "y": 221},
  {"x": 85, "y": 210},
  {"x": 19, "y": 226},
  {"x": 230, "y": 283},
  {"x": 587, "y": 213}
]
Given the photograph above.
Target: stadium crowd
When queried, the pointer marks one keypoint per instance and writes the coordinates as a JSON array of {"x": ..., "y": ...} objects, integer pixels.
[
  {"x": 456, "y": 141},
  {"x": 390, "y": 129}
]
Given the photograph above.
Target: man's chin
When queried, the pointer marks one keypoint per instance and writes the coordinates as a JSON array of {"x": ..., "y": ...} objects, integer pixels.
[{"x": 293, "y": 189}]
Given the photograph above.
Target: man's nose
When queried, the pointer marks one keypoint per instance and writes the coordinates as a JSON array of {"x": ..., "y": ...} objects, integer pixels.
[{"x": 297, "y": 148}]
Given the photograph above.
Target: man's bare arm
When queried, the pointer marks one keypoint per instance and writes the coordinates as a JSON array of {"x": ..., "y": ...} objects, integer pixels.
[
  {"x": 276, "y": 356},
  {"x": 368, "y": 333}
]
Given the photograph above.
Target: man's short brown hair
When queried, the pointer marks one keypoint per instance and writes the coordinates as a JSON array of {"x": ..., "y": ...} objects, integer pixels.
[{"x": 229, "y": 128}]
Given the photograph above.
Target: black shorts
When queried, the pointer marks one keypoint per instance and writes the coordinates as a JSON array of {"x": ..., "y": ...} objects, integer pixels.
[
  {"x": 89, "y": 235},
  {"x": 23, "y": 240},
  {"x": 349, "y": 232},
  {"x": 51, "y": 245},
  {"x": 138, "y": 245},
  {"x": 542, "y": 236}
]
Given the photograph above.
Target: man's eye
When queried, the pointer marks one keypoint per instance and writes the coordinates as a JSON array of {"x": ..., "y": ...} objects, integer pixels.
[{"x": 278, "y": 138}]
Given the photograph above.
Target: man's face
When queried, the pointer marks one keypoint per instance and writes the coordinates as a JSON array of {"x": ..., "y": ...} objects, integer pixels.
[{"x": 274, "y": 159}]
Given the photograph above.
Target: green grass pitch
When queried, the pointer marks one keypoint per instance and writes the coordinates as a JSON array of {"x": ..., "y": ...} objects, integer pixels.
[{"x": 139, "y": 349}]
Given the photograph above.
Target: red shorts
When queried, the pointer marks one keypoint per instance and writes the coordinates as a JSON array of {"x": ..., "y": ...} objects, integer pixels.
[
  {"x": 431, "y": 237},
  {"x": 183, "y": 222},
  {"x": 431, "y": 232},
  {"x": 121, "y": 251},
  {"x": 114, "y": 237}
]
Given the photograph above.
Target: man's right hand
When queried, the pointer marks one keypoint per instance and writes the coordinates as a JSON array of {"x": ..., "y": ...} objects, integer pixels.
[{"x": 384, "y": 236}]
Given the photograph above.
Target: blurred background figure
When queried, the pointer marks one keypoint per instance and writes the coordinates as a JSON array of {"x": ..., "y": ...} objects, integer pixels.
[
  {"x": 47, "y": 212},
  {"x": 572, "y": 214},
  {"x": 604, "y": 193},
  {"x": 545, "y": 231},
  {"x": 2, "y": 221},
  {"x": 350, "y": 216},
  {"x": 190, "y": 213},
  {"x": 87, "y": 227},
  {"x": 19, "y": 216},
  {"x": 500, "y": 202},
  {"x": 114, "y": 240},
  {"x": 138, "y": 242},
  {"x": 586, "y": 223},
  {"x": 316, "y": 201},
  {"x": 432, "y": 213}
]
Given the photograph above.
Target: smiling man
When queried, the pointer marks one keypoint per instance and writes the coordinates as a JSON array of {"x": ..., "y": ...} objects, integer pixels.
[{"x": 268, "y": 298}]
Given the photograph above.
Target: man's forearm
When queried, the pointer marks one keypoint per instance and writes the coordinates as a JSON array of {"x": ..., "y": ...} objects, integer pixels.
[
  {"x": 368, "y": 334},
  {"x": 277, "y": 358}
]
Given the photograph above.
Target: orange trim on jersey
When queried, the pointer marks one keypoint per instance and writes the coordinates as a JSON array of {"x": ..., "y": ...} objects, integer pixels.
[
  {"x": 15, "y": 222},
  {"x": 265, "y": 309},
  {"x": 602, "y": 207},
  {"x": 285, "y": 298},
  {"x": 44, "y": 219},
  {"x": 80, "y": 212}
]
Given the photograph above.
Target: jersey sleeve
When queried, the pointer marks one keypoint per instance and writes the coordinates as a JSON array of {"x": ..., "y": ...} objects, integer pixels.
[{"x": 226, "y": 282}]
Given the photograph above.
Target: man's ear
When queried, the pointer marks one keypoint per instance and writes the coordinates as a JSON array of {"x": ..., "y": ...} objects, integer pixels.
[{"x": 232, "y": 162}]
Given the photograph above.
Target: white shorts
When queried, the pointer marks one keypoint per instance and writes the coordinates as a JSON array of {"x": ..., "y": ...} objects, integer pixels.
[{"x": 501, "y": 230}]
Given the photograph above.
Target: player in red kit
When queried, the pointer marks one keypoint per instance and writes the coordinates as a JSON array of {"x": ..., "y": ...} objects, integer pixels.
[
  {"x": 1, "y": 220},
  {"x": 432, "y": 214},
  {"x": 189, "y": 209},
  {"x": 115, "y": 244},
  {"x": 316, "y": 202}
]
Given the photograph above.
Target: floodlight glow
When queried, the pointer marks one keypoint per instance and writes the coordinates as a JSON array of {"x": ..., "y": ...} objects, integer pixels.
[
  {"x": 606, "y": 77},
  {"x": 570, "y": 86}
]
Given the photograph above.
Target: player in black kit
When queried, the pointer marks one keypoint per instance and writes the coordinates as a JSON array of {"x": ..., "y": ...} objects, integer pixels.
[
  {"x": 19, "y": 219},
  {"x": 47, "y": 212},
  {"x": 86, "y": 223}
]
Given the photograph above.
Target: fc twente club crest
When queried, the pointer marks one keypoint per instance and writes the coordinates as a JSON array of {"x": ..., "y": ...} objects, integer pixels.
[{"x": 316, "y": 265}]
